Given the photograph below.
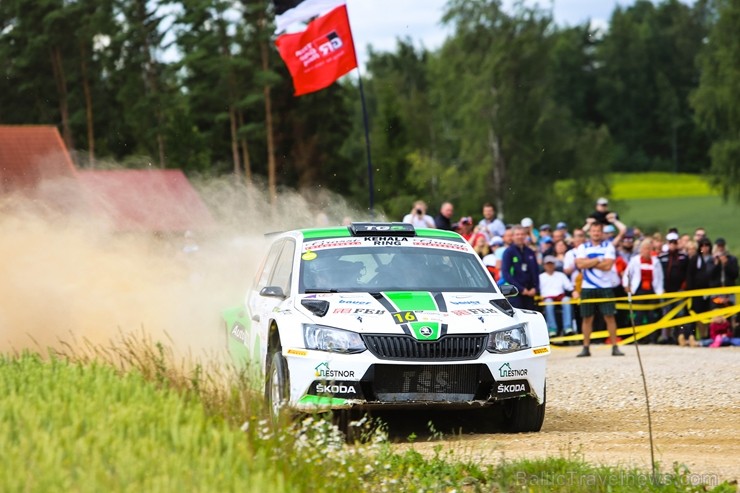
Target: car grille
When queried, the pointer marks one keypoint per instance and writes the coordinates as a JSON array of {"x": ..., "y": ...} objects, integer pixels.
[
  {"x": 448, "y": 348},
  {"x": 435, "y": 383}
]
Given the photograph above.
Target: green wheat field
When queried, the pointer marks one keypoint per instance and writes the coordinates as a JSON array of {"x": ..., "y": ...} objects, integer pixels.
[{"x": 658, "y": 201}]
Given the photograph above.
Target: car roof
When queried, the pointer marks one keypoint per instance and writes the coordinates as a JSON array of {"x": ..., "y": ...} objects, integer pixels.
[{"x": 361, "y": 229}]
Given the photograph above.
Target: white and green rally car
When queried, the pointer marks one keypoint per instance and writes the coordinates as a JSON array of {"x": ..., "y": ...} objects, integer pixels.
[{"x": 376, "y": 315}]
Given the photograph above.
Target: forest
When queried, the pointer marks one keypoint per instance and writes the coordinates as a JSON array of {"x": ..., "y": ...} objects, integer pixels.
[{"x": 511, "y": 109}]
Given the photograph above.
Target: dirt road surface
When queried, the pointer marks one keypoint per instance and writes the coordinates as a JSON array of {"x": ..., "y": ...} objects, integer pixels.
[{"x": 596, "y": 409}]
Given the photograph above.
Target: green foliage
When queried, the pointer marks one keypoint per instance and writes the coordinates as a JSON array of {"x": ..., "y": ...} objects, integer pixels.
[
  {"x": 646, "y": 72},
  {"x": 505, "y": 127},
  {"x": 715, "y": 100}
]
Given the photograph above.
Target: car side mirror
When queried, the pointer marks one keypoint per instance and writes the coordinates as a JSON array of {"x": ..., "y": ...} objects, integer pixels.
[
  {"x": 274, "y": 291},
  {"x": 509, "y": 290}
]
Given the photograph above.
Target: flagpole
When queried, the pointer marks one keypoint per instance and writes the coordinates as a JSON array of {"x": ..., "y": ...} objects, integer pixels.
[{"x": 371, "y": 186}]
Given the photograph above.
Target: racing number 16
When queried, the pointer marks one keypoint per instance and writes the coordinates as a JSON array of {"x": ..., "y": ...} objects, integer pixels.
[{"x": 403, "y": 317}]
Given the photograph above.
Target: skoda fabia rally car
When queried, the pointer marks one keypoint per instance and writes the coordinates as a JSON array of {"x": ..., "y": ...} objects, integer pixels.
[{"x": 376, "y": 315}]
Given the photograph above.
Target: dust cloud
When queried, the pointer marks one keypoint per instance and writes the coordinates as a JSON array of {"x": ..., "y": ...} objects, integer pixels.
[{"x": 69, "y": 278}]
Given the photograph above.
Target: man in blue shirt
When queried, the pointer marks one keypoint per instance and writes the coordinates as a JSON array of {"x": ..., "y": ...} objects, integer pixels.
[
  {"x": 519, "y": 268},
  {"x": 595, "y": 259}
]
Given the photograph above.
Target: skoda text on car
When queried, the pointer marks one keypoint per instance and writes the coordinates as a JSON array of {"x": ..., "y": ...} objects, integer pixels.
[{"x": 375, "y": 315}]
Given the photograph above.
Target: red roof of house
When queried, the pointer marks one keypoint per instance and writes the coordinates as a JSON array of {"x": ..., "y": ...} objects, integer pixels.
[
  {"x": 30, "y": 154},
  {"x": 147, "y": 200}
]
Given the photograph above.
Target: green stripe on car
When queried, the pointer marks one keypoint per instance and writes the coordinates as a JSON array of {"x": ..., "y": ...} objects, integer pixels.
[
  {"x": 439, "y": 233},
  {"x": 412, "y": 300},
  {"x": 339, "y": 232},
  {"x": 317, "y": 400}
]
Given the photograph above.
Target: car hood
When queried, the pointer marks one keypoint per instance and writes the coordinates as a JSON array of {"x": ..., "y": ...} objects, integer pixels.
[{"x": 427, "y": 315}]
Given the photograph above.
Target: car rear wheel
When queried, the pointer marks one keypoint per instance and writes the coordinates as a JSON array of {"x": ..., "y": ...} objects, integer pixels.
[
  {"x": 277, "y": 389},
  {"x": 524, "y": 414}
]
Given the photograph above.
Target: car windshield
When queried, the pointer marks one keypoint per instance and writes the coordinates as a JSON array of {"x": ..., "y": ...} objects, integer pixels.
[{"x": 376, "y": 269}]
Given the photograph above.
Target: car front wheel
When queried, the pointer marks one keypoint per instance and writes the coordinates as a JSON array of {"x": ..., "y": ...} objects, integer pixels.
[
  {"x": 277, "y": 388},
  {"x": 524, "y": 414}
]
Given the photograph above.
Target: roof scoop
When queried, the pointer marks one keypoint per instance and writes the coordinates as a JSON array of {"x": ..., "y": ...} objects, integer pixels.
[{"x": 317, "y": 307}]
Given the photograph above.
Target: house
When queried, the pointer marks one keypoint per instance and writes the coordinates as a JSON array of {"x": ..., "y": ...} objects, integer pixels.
[
  {"x": 146, "y": 200},
  {"x": 35, "y": 164}
]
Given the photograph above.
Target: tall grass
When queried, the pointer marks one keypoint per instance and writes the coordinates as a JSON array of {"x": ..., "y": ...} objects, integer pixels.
[{"x": 127, "y": 419}]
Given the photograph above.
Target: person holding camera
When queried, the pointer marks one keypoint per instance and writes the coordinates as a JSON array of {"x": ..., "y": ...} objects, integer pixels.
[{"x": 419, "y": 217}]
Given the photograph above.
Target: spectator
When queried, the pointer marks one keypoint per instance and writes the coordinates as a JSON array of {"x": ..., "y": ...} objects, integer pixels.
[
  {"x": 558, "y": 235},
  {"x": 519, "y": 268},
  {"x": 491, "y": 261},
  {"x": 595, "y": 259},
  {"x": 675, "y": 266},
  {"x": 726, "y": 265},
  {"x": 481, "y": 246},
  {"x": 443, "y": 220},
  {"x": 644, "y": 275},
  {"x": 626, "y": 247},
  {"x": 569, "y": 262},
  {"x": 657, "y": 243},
  {"x": 720, "y": 334},
  {"x": 545, "y": 246},
  {"x": 609, "y": 232},
  {"x": 599, "y": 215},
  {"x": 545, "y": 230},
  {"x": 555, "y": 286},
  {"x": 699, "y": 234},
  {"x": 531, "y": 231},
  {"x": 418, "y": 216},
  {"x": 563, "y": 227},
  {"x": 699, "y": 276},
  {"x": 570, "y": 269},
  {"x": 466, "y": 230},
  {"x": 507, "y": 239},
  {"x": 724, "y": 274},
  {"x": 491, "y": 225},
  {"x": 559, "y": 251},
  {"x": 683, "y": 242}
]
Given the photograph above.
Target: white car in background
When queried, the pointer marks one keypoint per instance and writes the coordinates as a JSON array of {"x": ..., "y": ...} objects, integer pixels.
[{"x": 381, "y": 315}]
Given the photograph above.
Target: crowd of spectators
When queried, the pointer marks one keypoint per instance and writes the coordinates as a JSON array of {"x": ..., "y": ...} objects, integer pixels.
[{"x": 601, "y": 259}]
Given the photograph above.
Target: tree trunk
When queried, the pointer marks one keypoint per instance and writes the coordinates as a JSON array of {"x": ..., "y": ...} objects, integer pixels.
[
  {"x": 498, "y": 171},
  {"x": 245, "y": 152},
  {"x": 88, "y": 107},
  {"x": 150, "y": 74},
  {"x": 271, "y": 166},
  {"x": 58, "y": 70},
  {"x": 234, "y": 143}
]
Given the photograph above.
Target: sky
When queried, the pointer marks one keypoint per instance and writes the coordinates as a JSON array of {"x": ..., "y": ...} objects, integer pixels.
[{"x": 380, "y": 22}]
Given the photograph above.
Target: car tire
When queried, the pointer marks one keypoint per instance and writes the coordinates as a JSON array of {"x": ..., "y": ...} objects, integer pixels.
[
  {"x": 277, "y": 388},
  {"x": 523, "y": 414}
]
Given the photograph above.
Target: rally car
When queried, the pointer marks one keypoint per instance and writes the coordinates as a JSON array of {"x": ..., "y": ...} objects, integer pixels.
[{"x": 381, "y": 315}]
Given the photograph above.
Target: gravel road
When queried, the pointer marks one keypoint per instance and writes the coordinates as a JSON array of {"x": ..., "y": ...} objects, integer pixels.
[{"x": 596, "y": 408}]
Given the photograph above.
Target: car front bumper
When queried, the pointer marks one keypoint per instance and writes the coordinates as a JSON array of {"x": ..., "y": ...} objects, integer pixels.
[{"x": 322, "y": 380}]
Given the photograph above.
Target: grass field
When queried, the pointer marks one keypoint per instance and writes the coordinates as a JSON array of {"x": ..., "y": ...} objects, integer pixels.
[
  {"x": 658, "y": 201},
  {"x": 85, "y": 426}
]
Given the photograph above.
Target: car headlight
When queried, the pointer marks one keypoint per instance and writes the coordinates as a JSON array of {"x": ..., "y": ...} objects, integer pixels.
[
  {"x": 326, "y": 338},
  {"x": 509, "y": 339}
]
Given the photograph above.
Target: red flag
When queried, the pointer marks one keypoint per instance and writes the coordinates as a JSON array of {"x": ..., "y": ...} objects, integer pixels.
[{"x": 321, "y": 54}]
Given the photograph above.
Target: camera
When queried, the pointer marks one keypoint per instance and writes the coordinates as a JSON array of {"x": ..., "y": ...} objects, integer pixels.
[{"x": 419, "y": 212}]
